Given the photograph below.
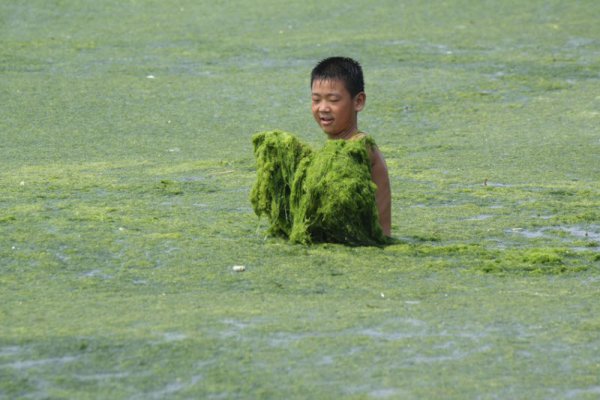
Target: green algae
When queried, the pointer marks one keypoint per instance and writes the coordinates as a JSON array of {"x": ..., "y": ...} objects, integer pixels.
[
  {"x": 334, "y": 197},
  {"x": 125, "y": 202},
  {"x": 316, "y": 196},
  {"x": 278, "y": 155}
]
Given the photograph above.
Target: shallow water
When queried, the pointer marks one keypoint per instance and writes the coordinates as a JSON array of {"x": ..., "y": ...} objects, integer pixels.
[
  {"x": 591, "y": 235},
  {"x": 125, "y": 202}
]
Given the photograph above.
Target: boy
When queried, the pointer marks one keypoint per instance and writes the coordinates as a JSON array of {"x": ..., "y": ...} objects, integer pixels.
[{"x": 338, "y": 95}]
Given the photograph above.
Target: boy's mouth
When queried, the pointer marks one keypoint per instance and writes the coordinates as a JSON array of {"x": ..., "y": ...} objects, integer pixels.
[{"x": 326, "y": 120}]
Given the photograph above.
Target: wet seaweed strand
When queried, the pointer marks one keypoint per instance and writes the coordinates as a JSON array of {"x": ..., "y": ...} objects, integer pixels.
[
  {"x": 277, "y": 156},
  {"x": 316, "y": 196}
]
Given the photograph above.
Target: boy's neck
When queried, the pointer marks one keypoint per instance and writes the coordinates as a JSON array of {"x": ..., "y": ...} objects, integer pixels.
[{"x": 345, "y": 135}]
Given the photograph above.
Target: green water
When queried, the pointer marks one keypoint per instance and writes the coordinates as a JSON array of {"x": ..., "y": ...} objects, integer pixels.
[{"x": 127, "y": 164}]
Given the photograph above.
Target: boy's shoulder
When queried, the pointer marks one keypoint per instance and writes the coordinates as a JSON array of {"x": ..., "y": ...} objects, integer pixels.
[
  {"x": 365, "y": 138},
  {"x": 358, "y": 136}
]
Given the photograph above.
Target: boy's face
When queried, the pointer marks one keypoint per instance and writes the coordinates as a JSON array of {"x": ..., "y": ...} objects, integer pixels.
[{"x": 334, "y": 109}]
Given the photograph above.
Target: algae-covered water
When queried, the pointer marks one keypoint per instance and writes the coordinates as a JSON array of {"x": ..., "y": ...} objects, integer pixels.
[{"x": 126, "y": 170}]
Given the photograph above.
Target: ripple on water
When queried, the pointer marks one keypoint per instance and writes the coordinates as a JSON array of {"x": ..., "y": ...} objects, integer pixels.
[
  {"x": 591, "y": 233},
  {"x": 578, "y": 393},
  {"x": 26, "y": 364},
  {"x": 9, "y": 351}
]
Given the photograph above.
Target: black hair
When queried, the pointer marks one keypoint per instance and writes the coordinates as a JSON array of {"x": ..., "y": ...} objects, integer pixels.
[{"x": 344, "y": 69}]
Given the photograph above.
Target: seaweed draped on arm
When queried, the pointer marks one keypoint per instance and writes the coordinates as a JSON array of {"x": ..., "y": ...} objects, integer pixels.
[
  {"x": 316, "y": 196},
  {"x": 277, "y": 156}
]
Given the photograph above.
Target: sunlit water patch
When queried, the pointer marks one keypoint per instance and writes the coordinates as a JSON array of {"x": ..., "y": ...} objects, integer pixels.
[
  {"x": 567, "y": 234},
  {"x": 44, "y": 362}
]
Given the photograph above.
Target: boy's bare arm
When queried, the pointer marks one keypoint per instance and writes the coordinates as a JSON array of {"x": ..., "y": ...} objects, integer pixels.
[{"x": 383, "y": 195}]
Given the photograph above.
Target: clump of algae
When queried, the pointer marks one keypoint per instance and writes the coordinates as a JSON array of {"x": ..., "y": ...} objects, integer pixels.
[
  {"x": 316, "y": 196},
  {"x": 277, "y": 156}
]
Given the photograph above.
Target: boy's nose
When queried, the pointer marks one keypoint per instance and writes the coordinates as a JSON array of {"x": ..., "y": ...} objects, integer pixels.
[{"x": 324, "y": 106}]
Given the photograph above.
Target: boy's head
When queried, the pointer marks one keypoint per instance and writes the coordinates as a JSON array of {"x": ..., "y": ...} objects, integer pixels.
[
  {"x": 337, "y": 87},
  {"x": 342, "y": 69}
]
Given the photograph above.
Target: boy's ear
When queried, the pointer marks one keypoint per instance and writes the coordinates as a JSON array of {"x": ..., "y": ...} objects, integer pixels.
[{"x": 359, "y": 101}]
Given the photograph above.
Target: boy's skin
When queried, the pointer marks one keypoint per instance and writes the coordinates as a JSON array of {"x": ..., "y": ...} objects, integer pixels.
[{"x": 336, "y": 112}]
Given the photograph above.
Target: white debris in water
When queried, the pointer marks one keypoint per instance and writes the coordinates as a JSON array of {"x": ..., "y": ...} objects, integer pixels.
[
  {"x": 238, "y": 268},
  {"x": 382, "y": 295},
  {"x": 150, "y": 77}
]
